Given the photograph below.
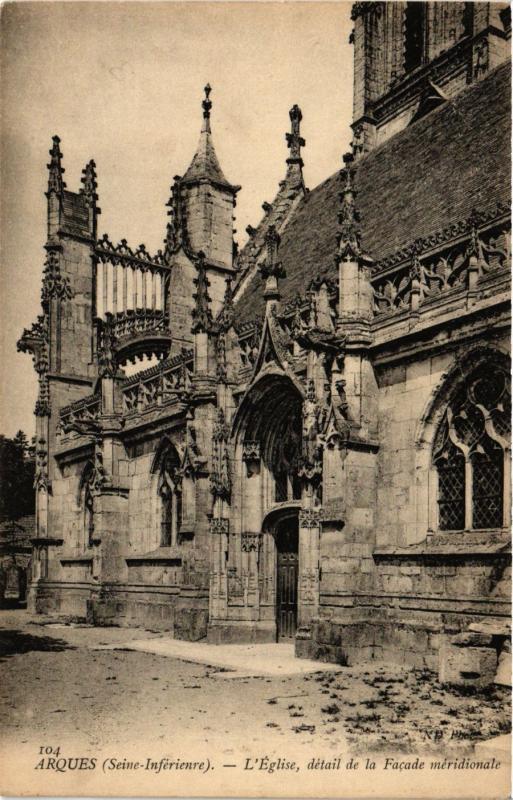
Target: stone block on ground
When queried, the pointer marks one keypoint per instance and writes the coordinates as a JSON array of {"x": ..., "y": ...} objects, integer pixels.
[
  {"x": 467, "y": 666},
  {"x": 503, "y": 674}
]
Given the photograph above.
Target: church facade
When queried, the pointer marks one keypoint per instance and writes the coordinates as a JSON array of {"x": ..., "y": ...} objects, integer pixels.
[{"x": 320, "y": 452}]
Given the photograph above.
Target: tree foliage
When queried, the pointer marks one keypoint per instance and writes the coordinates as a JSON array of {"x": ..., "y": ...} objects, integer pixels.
[{"x": 16, "y": 477}]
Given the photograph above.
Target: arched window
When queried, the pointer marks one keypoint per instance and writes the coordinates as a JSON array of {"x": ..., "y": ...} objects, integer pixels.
[
  {"x": 170, "y": 493},
  {"x": 89, "y": 514},
  {"x": 414, "y": 40},
  {"x": 470, "y": 452}
]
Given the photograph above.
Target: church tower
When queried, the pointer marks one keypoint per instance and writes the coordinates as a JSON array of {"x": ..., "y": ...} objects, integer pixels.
[
  {"x": 201, "y": 217},
  {"x": 410, "y": 57},
  {"x": 209, "y": 198}
]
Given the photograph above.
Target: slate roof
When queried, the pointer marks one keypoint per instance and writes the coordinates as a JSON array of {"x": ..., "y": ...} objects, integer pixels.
[
  {"x": 205, "y": 164},
  {"x": 422, "y": 180}
]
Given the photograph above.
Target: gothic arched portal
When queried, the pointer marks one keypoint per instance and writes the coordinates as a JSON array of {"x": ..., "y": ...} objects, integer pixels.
[{"x": 269, "y": 431}]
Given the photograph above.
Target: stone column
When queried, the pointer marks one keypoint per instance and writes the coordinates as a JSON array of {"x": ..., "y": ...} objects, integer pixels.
[
  {"x": 218, "y": 599},
  {"x": 308, "y": 579}
]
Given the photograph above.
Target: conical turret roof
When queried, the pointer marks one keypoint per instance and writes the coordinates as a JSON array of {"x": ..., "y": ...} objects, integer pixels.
[{"x": 205, "y": 164}]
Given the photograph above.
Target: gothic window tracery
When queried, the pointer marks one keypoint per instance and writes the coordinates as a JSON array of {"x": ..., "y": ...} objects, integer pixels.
[
  {"x": 170, "y": 494},
  {"x": 472, "y": 451}
]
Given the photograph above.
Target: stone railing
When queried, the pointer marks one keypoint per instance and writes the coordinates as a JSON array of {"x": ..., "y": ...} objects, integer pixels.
[
  {"x": 128, "y": 280},
  {"x": 81, "y": 416},
  {"x": 465, "y": 255},
  {"x": 169, "y": 381},
  {"x": 134, "y": 322}
]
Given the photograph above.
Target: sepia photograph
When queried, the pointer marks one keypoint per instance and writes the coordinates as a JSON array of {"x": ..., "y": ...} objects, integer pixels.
[{"x": 255, "y": 426}]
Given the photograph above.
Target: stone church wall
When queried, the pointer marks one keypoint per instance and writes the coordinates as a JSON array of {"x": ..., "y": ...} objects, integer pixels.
[{"x": 386, "y": 593}]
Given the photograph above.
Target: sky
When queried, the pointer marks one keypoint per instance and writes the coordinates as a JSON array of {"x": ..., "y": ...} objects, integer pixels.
[{"x": 123, "y": 83}]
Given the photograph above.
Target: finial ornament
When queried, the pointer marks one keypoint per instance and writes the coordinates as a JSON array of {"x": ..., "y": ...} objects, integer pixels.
[
  {"x": 294, "y": 140},
  {"x": 90, "y": 183},
  {"x": 349, "y": 248},
  {"x": 56, "y": 170},
  {"x": 207, "y": 103}
]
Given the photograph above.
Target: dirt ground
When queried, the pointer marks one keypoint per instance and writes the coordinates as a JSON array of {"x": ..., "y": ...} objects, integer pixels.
[{"x": 54, "y": 686}]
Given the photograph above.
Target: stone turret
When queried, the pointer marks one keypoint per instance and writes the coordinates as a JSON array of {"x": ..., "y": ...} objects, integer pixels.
[
  {"x": 200, "y": 222},
  {"x": 209, "y": 199}
]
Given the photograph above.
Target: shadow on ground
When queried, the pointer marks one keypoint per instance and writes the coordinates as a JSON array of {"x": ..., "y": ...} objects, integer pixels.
[{"x": 14, "y": 642}]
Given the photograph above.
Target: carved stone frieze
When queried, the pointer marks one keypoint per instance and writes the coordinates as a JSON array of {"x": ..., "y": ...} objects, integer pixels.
[
  {"x": 428, "y": 275},
  {"x": 251, "y": 542},
  {"x": 220, "y": 525},
  {"x": 310, "y": 517}
]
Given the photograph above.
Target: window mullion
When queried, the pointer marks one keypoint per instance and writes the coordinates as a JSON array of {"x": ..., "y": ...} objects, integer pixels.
[
  {"x": 468, "y": 492},
  {"x": 173, "y": 520},
  {"x": 506, "y": 491}
]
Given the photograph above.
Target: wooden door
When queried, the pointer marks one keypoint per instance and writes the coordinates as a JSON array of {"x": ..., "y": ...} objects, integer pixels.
[{"x": 286, "y": 598}]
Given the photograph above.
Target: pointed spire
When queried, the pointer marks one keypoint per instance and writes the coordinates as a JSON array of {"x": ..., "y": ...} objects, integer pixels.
[
  {"x": 88, "y": 192},
  {"x": 349, "y": 248},
  {"x": 204, "y": 165},
  {"x": 201, "y": 313},
  {"x": 294, "y": 140},
  {"x": 55, "y": 168}
]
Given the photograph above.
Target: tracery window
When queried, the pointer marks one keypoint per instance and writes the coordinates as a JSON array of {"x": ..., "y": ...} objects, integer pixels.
[
  {"x": 472, "y": 450},
  {"x": 170, "y": 493}
]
